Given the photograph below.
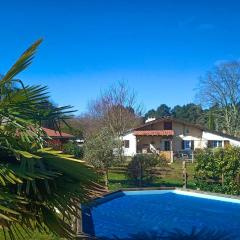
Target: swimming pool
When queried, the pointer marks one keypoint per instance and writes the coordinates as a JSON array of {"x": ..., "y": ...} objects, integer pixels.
[{"x": 163, "y": 214}]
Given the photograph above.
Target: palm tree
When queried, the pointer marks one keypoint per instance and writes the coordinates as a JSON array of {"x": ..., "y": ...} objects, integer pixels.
[{"x": 40, "y": 189}]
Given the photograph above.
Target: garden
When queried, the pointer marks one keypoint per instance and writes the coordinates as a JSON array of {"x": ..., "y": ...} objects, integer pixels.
[{"x": 41, "y": 188}]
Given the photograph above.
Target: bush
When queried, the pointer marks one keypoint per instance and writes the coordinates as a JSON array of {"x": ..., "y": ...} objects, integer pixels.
[
  {"x": 141, "y": 167},
  {"x": 99, "y": 151},
  {"x": 218, "y": 170},
  {"x": 73, "y": 149}
]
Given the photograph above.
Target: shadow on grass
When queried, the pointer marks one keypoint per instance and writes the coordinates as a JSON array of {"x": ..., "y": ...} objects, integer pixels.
[
  {"x": 160, "y": 182},
  {"x": 129, "y": 184},
  {"x": 123, "y": 183},
  {"x": 166, "y": 183},
  {"x": 177, "y": 234}
]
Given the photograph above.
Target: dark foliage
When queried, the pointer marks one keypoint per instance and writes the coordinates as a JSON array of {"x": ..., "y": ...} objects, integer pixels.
[
  {"x": 140, "y": 169},
  {"x": 190, "y": 112},
  {"x": 73, "y": 149},
  {"x": 218, "y": 170}
]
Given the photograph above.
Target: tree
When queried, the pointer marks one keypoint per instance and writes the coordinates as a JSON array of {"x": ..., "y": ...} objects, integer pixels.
[
  {"x": 190, "y": 112},
  {"x": 116, "y": 110},
  {"x": 211, "y": 121},
  {"x": 99, "y": 151},
  {"x": 162, "y": 111},
  {"x": 38, "y": 187},
  {"x": 113, "y": 113},
  {"x": 73, "y": 126},
  {"x": 221, "y": 87},
  {"x": 151, "y": 114}
]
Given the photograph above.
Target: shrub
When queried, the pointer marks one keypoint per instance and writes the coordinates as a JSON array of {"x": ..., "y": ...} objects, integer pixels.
[
  {"x": 99, "y": 151},
  {"x": 73, "y": 149},
  {"x": 141, "y": 167},
  {"x": 218, "y": 170}
]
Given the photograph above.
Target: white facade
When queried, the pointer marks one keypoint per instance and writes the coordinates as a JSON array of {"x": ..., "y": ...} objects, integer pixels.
[
  {"x": 198, "y": 142},
  {"x": 132, "y": 149},
  {"x": 208, "y": 136},
  {"x": 130, "y": 141}
]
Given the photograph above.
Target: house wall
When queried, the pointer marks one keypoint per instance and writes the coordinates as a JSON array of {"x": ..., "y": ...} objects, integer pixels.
[
  {"x": 132, "y": 150},
  {"x": 155, "y": 126},
  {"x": 181, "y": 132},
  {"x": 200, "y": 138},
  {"x": 211, "y": 136},
  {"x": 184, "y": 132}
]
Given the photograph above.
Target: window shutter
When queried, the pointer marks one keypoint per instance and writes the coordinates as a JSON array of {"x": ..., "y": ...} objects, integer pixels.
[
  {"x": 209, "y": 143},
  {"x": 192, "y": 144},
  {"x": 126, "y": 143},
  {"x": 182, "y": 144}
]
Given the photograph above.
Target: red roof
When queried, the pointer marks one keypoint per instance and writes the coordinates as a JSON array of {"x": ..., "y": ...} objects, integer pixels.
[
  {"x": 154, "y": 133},
  {"x": 56, "y": 134}
]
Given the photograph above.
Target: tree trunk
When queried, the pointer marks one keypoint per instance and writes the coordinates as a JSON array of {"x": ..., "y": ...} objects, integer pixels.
[{"x": 106, "y": 177}]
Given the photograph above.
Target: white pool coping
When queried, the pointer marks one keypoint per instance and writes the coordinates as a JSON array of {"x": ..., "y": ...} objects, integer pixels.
[{"x": 186, "y": 193}]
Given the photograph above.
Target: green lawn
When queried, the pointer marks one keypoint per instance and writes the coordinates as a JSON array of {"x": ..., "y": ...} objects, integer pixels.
[
  {"x": 35, "y": 236},
  {"x": 171, "y": 177}
]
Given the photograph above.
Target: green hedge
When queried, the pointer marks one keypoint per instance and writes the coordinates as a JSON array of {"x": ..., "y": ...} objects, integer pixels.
[
  {"x": 73, "y": 149},
  {"x": 218, "y": 170}
]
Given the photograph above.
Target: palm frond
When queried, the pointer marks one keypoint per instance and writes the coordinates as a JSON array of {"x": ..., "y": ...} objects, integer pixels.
[
  {"x": 22, "y": 63},
  {"x": 38, "y": 187}
]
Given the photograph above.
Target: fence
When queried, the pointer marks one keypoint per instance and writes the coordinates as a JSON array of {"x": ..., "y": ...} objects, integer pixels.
[{"x": 176, "y": 174}]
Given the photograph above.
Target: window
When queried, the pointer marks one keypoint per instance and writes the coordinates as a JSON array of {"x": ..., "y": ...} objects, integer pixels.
[
  {"x": 187, "y": 144},
  {"x": 166, "y": 145},
  {"x": 216, "y": 143},
  {"x": 167, "y": 125},
  {"x": 126, "y": 143}
]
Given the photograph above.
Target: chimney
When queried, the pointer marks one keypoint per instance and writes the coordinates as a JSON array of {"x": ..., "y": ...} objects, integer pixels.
[{"x": 150, "y": 119}]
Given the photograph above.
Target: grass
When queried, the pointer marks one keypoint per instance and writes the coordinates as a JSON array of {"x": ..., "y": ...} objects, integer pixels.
[
  {"x": 35, "y": 236},
  {"x": 171, "y": 176}
]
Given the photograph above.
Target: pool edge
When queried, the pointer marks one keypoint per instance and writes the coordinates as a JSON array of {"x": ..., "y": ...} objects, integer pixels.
[{"x": 214, "y": 196}]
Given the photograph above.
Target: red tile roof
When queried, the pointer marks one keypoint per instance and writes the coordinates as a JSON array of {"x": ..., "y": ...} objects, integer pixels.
[
  {"x": 154, "y": 133},
  {"x": 56, "y": 134}
]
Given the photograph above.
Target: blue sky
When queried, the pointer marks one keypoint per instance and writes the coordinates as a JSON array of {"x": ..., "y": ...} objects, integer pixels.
[{"x": 159, "y": 47}]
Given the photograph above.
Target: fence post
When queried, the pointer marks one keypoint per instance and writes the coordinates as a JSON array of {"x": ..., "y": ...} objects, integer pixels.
[
  {"x": 222, "y": 180},
  {"x": 238, "y": 178},
  {"x": 140, "y": 175},
  {"x": 184, "y": 174}
]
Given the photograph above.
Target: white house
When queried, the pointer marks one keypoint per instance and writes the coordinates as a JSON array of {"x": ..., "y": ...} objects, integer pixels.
[{"x": 171, "y": 137}]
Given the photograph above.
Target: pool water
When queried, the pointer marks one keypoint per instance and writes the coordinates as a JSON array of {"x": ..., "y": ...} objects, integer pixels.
[{"x": 163, "y": 215}]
